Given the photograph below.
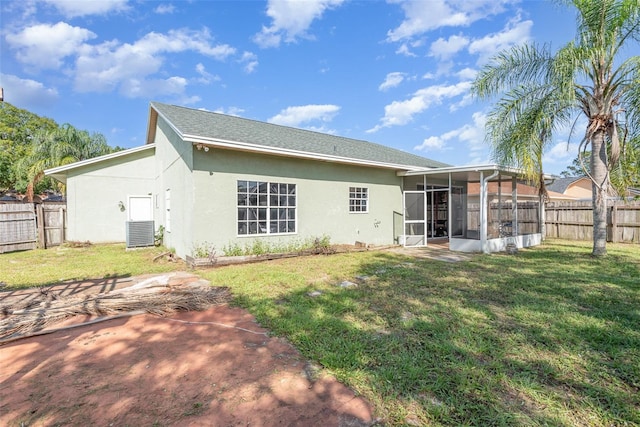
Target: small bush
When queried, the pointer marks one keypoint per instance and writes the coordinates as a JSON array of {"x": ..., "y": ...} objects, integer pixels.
[
  {"x": 233, "y": 249},
  {"x": 203, "y": 250},
  {"x": 159, "y": 236},
  {"x": 263, "y": 247}
]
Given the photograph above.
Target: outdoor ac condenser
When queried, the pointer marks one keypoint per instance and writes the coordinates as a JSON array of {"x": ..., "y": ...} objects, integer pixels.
[{"x": 140, "y": 234}]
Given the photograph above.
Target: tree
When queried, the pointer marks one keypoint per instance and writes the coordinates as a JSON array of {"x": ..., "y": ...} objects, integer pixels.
[
  {"x": 57, "y": 148},
  {"x": 576, "y": 167},
  {"x": 541, "y": 91},
  {"x": 17, "y": 130}
]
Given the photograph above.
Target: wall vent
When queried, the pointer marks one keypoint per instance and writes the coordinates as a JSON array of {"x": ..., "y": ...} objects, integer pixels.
[{"x": 140, "y": 234}]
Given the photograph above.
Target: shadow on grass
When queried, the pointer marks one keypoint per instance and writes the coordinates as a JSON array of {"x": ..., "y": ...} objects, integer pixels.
[
  {"x": 546, "y": 337},
  {"x": 73, "y": 287}
]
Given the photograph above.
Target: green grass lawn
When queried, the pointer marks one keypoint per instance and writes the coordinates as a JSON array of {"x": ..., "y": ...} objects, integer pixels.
[
  {"x": 47, "y": 266},
  {"x": 550, "y": 336}
]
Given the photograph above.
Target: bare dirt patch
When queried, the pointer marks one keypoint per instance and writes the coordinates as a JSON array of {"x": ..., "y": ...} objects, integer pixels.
[{"x": 215, "y": 367}]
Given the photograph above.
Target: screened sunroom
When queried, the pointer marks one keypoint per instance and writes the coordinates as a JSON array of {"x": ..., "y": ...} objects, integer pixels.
[{"x": 472, "y": 208}]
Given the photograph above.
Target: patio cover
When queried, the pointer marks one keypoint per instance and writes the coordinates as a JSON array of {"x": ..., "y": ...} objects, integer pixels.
[{"x": 482, "y": 174}]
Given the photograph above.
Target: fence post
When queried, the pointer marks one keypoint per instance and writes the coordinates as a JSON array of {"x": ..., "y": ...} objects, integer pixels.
[
  {"x": 40, "y": 224},
  {"x": 614, "y": 223},
  {"x": 61, "y": 225}
]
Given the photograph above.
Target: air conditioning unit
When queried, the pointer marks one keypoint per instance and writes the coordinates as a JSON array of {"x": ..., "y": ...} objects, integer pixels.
[{"x": 140, "y": 234}]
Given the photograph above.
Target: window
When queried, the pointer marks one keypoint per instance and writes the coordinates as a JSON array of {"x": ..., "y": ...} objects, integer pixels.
[
  {"x": 266, "y": 208},
  {"x": 358, "y": 199}
]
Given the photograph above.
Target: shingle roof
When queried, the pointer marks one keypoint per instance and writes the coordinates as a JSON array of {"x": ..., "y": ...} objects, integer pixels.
[
  {"x": 560, "y": 185},
  {"x": 194, "y": 123}
]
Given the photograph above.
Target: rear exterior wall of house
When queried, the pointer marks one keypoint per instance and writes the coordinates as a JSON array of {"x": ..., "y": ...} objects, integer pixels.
[
  {"x": 196, "y": 198},
  {"x": 346, "y": 203}
]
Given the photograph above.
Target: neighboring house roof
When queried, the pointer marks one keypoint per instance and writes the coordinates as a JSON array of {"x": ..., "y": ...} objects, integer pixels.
[
  {"x": 571, "y": 188},
  {"x": 214, "y": 129},
  {"x": 473, "y": 188},
  {"x": 60, "y": 172},
  {"x": 560, "y": 185}
]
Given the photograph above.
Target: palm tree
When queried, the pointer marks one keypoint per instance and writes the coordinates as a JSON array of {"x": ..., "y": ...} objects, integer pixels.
[
  {"x": 60, "y": 147},
  {"x": 542, "y": 92}
]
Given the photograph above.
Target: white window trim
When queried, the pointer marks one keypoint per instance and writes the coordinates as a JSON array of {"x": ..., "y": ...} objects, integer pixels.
[
  {"x": 358, "y": 189},
  {"x": 238, "y": 235}
]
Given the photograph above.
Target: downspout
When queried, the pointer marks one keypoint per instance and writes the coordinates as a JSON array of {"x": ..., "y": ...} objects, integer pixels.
[
  {"x": 483, "y": 209},
  {"x": 449, "y": 215}
]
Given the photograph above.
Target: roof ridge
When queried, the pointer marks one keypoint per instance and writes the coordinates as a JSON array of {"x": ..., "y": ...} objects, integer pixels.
[{"x": 247, "y": 130}]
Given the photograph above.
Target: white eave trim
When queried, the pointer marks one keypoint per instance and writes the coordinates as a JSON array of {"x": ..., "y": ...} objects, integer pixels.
[
  {"x": 81, "y": 163},
  {"x": 276, "y": 151},
  {"x": 455, "y": 169},
  {"x": 465, "y": 169}
]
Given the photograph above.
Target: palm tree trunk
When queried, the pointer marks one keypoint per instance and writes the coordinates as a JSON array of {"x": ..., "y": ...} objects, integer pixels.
[{"x": 600, "y": 188}]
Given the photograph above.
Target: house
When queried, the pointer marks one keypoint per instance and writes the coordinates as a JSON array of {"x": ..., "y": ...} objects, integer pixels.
[
  {"x": 526, "y": 191},
  {"x": 220, "y": 180},
  {"x": 571, "y": 188},
  {"x": 579, "y": 188}
]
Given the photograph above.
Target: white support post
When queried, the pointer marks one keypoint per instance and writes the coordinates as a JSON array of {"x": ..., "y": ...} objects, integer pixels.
[
  {"x": 483, "y": 218},
  {"x": 514, "y": 206}
]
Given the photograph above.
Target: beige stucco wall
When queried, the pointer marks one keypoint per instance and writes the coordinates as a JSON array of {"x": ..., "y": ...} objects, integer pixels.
[
  {"x": 580, "y": 189},
  {"x": 322, "y": 198},
  {"x": 94, "y": 194}
]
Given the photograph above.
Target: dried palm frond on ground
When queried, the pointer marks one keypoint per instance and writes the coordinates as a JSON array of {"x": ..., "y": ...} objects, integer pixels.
[{"x": 44, "y": 308}]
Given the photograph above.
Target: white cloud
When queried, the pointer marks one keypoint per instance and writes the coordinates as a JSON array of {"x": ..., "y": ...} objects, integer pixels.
[
  {"x": 291, "y": 19},
  {"x": 45, "y": 46},
  {"x": 183, "y": 40},
  {"x": 404, "y": 50},
  {"x": 516, "y": 32},
  {"x": 205, "y": 76},
  {"x": 165, "y": 9},
  {"x": 560, "y": 155},
  {"x": 470, "y": 134},
  {"x": 431, "y": 143},
  {"x": 112, "y": 66},
  {"x": 295, "y": 116},
  {"x": 422, "y": 16},
  {"x": 74, "y": 8},
  {"x": 136, "y": 88},
  {"x": 250, "y": 61},
  {"x": 26, "y": 93},
  {"x": 444, "y": 49},
  {"x": 392, "y": 80},
  {"x": 401, "y": 112},
  {"x": 474, "y": 134},
  {"x": 467, "y": 74}
]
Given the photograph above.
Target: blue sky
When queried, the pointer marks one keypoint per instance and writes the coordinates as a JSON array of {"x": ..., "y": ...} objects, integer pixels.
[{"x": 397, "y": 72}]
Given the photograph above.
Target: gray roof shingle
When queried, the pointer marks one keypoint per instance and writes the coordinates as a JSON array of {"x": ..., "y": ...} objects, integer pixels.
[
  {"x": 560, "y": 185},
  {"x": 206, "y": 124}
]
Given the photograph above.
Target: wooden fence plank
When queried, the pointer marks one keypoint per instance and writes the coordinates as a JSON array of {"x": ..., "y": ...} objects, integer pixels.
[
  {"x": 574, "y": 221},
  {"x": 24, "y": 226},
  {"x": 17, "y": 227}
]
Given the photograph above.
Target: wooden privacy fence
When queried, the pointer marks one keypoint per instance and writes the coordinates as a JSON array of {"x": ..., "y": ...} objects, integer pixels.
[
  {"x": 574, "y": 221},
  {"x": 500, "y": 215},
  {"x": 25, "y": 226},
  {"x": 500, "y": 218}
]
